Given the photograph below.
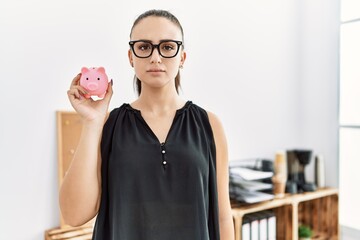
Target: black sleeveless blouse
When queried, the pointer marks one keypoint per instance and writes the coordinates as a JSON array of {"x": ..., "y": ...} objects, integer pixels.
[{"x": 153, "y": 190}]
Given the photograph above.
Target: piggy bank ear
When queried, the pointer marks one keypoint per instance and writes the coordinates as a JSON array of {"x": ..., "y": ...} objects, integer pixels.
[
  {"x": 84, "y": 70},
  {"x": 101, "y": 69}
]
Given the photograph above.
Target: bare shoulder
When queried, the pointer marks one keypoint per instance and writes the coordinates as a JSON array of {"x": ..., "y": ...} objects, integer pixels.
[
  {"x": 214, "y": 121},
  {"x": 216, "y": 126}
]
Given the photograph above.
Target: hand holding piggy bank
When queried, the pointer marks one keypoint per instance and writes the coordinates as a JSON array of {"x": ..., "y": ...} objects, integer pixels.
[{"x": 95, "y": 81}]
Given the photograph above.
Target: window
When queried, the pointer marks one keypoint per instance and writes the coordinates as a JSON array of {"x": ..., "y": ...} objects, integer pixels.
[{"x": 349, "y": 115}]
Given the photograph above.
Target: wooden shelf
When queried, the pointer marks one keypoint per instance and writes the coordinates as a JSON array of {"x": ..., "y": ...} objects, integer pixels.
[
  {"x": 67, "y": 233},
  {"x": 317, "y": 209}
]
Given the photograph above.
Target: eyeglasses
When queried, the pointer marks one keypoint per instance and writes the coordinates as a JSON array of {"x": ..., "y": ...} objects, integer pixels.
[{"x": 166, "y": 48}]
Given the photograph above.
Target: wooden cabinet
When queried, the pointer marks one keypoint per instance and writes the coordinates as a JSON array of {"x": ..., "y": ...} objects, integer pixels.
[{"x": 317, "y": 209}]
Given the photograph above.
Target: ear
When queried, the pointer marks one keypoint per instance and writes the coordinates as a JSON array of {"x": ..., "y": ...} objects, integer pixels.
[
  {"x": 130, "y": 58},
  {"x": 101, "y": 70},
  {"x": 84, "y": 70},
  {"x": 183, "y": 58}
]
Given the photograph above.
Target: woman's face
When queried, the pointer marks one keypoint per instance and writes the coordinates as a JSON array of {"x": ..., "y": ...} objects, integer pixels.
[{"x": 156, "y": 71}]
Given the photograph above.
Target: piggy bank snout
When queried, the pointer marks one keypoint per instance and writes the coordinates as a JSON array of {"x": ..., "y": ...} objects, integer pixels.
[{"x": 92, "y": 86}]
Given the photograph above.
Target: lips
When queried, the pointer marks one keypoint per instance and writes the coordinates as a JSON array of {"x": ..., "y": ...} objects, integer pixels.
[{"x": 155, "y": 70}]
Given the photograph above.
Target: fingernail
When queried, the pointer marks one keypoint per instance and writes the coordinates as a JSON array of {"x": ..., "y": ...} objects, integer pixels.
[{"x": 112, "y": 82}]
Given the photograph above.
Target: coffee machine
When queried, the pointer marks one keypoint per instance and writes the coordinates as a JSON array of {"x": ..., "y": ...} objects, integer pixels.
[{"x": 296, "y": 161}]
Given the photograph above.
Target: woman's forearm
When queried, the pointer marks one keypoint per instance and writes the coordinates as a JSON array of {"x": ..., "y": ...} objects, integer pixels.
[
  {"x": 80, "y": 190},
  {"x": 227, "y": 229}
]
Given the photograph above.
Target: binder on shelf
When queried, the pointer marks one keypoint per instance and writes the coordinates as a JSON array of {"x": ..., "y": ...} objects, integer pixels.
[
  {"x": 271, "y": 223},
  {"x": 263, "y": 225},
  {"x": 259, "y": 226},
  {"x": 254, "y": 226},
  {"x": 245, "y": 229}
]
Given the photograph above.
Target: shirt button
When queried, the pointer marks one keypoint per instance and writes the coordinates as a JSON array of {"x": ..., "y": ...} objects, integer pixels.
[{"x": 164, "y": 162}]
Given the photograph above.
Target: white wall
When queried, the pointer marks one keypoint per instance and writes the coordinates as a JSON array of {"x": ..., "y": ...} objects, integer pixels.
[
  {"x": 320, "y": 26},
  {"x": 268, "y": 69}
]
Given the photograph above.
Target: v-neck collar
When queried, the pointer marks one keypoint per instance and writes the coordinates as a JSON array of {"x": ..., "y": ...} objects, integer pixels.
[{"x": 177, "y": 113}]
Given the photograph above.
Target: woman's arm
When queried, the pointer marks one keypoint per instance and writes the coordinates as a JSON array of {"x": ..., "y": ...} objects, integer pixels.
[
  {"x": 222, "y": 174},
  {"x": 80, "y": 190}
]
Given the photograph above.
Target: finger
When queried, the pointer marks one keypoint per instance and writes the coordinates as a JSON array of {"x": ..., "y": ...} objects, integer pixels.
[
  {"x": 70, "y": 95},
  {"x": 80, "y": 89},
  {"x": 74, "y": 100},
  {"x": 75, "y": 81},
  {"x": 74, "y": 93},
  {"x": 109, "y": 91}
]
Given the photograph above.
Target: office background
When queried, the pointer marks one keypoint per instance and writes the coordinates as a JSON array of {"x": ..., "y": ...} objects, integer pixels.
[{"x": 268, "y": 69}]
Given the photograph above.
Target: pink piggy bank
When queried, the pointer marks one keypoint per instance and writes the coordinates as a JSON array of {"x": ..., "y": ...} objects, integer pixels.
[{"x": 95, "y": 81}]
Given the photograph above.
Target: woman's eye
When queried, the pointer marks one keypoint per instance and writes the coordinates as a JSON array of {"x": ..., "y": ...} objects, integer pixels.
[
  {"x": 144, "y": 47},
  {"x": 168, "y": 47}
]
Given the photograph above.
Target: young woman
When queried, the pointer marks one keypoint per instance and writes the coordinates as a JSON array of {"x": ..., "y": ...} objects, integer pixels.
[{"x": 158, "y": 168}]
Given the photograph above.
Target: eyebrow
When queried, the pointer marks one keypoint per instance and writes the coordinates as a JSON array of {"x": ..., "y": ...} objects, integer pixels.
[{"x": 161, "y": 40}]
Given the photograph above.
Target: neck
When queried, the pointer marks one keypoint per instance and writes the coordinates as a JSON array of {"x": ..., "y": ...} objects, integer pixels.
[{"x": 158, "y": 100}]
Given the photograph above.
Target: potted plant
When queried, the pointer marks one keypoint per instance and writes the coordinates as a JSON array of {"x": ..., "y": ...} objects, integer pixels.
[{"x": 305, "y": 232}]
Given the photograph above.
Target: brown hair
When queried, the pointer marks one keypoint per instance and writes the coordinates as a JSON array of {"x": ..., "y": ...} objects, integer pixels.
[{"x": 173, "y": 19}]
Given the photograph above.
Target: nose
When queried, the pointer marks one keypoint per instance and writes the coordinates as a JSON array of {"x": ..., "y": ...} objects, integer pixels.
[
  {"x": 92, "y": 86},
  {"x": 155, "y": 56}
]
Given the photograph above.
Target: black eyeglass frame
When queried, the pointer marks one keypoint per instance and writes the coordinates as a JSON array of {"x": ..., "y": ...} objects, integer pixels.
[{"x": 153, "y": 46}]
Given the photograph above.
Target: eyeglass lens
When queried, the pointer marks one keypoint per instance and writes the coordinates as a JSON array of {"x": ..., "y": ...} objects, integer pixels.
[{"x": 145, "y": 49}]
